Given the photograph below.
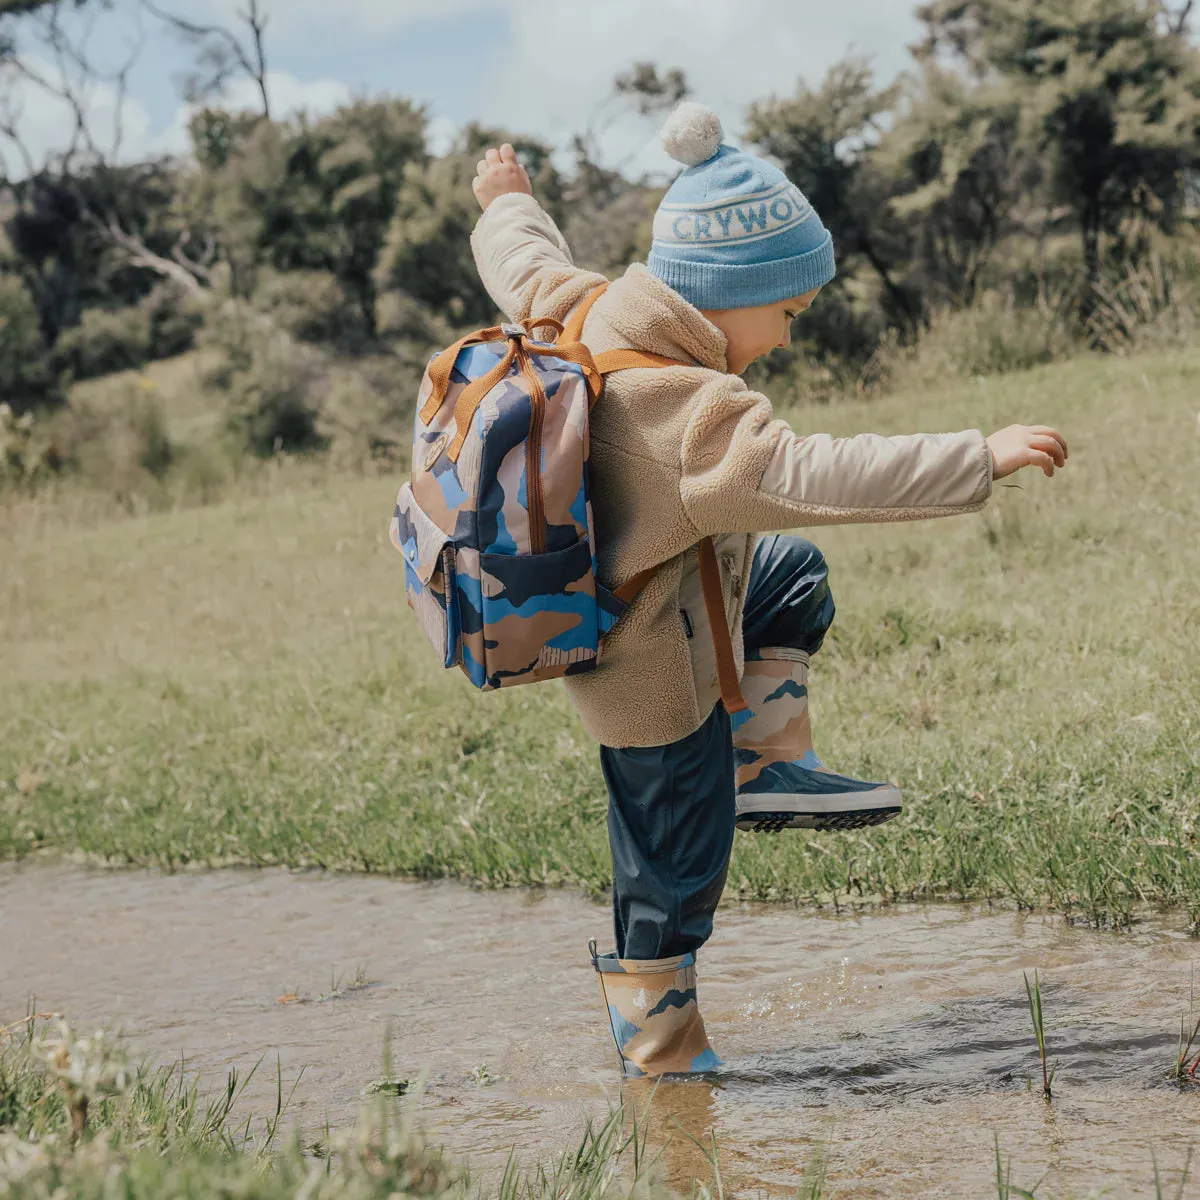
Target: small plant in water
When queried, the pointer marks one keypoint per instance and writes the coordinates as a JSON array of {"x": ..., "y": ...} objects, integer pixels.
[
  {"x": 338, "y": 987},
  {"x": 1005, "y": 1188},
  {"x": 1187, "y": 1061},
  {"x": 388, "y": 1087},
  {"x": 1033, "y": 992},
  {"x": 482, "y": 1077}
]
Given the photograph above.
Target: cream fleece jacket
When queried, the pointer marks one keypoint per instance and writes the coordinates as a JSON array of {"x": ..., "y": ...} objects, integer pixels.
[{"x": 681, "y": 453}]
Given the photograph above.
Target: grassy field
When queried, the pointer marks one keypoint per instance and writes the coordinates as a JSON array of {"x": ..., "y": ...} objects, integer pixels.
[{"x": 243, "y": 683}]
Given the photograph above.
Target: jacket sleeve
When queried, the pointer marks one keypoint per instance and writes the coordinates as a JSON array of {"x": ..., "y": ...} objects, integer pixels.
[
  {"x": 744, "y": 472},
  {"x": 525, "y": 263}
]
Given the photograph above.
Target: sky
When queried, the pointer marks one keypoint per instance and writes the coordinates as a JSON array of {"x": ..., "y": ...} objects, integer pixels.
[{"x": 542, "y": 69}]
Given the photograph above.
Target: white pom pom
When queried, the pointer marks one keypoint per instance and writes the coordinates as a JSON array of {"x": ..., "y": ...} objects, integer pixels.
[{"x": 692, "y": 134}]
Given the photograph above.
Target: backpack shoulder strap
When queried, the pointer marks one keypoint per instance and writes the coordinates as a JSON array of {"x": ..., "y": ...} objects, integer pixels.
[
  {"x": 573, "y": 330},
  {"x": 607, "y": 363},
  {"x": 710, "y": 571},
  {"x": 714, "y": 608},
  {"x": 714, "y": 604}
]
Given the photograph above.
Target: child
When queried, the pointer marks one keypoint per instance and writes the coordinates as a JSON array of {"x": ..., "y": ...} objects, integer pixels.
[{"x": 683, "y": 453}]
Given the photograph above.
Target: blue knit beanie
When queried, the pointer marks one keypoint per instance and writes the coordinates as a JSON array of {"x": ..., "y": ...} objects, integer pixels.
[{"x": 732, "y": 232}]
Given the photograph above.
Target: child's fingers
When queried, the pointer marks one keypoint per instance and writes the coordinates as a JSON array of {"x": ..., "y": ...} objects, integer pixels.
[
  {"x": 1039, "y": 458},
  {"x": 493, "y": 157},
  {"x": 1051, "y": 446},
  {"x": 508, "y": 154},
  {"x": 1058, "y": 437},
  {"x": 481, "y": 168}
]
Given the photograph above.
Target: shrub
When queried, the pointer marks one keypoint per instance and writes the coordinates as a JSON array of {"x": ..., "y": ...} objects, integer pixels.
[
  {"x": 272, "y": 384},
  {"x": 26, "y": 376},
  {"x": 403, "y": 319},
  {"x": 309, "y": 305},
  {"x": 992, "y": 337},
  {"x": 23, "y": 451},
  {"x": 110, "y": 340},
  {"x": 116, "y": 441},
  {"x": 173, "y": 318},
  {"x": 104, "y": 342},
  {"x": 1150, "y": 304}
]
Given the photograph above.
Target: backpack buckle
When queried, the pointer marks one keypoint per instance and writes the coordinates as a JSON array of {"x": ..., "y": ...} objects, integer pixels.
[{"x": 514, "y": 331}]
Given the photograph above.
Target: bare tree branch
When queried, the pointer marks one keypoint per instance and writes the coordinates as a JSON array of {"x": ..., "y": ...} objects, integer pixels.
[
  {"x": 80, "y": 132},
  {"x": 72, "y": 79},
  {"x": 179, "y": 269},
  {"x": 200, "y": 267},
  {"x": 226, "y": 52},
  {"x": 9, "y": 119},
  {"x": 1180, "y": 24},
  {"x": 122, "y": 85}
]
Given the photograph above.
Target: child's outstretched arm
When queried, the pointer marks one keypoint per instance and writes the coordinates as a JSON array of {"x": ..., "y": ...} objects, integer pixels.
[
  {"x": 744, "y": 471},
  {"x": 522, "y": 258}
]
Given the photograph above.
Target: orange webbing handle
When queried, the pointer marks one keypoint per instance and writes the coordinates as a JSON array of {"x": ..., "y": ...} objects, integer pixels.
[
  {"x": 442, "y": 368},
  {"x": 472, "y": 396},
  {"x": 555, "y": 325}
]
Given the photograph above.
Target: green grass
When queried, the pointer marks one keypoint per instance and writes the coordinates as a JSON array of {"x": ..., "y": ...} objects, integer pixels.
[
  {"x": 243, "y": 682},
  {"x": 153, "y": 1136}
]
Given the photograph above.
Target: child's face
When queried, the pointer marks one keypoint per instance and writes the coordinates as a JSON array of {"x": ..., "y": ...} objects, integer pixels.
[{"x": 753, "y": 332}]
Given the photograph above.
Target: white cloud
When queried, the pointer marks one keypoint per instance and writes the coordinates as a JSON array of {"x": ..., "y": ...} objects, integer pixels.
[
  {"x": 289, "y": 18},
  {"x": 289, "y": 97},
  {"x": 46, "y": 124},
  {"x": 561, "y": 60},
  {"x": 547, "y": 77}
]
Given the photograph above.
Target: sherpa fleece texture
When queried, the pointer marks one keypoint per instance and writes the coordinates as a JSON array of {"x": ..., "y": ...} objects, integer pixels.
[{"x": 681, "y": 453}]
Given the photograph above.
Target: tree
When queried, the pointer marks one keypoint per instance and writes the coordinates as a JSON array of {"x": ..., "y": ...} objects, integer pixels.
[
  {"x": 428, "y": 253},
  {"x": 1108, "y": 95},
  {"x": 221, "y": 54},
  {"x": 960, "y": 174},
  {"x": 88, "y": 167},
  {"x": 825, "y": 140},
  {"x": 344, "y": 175},
  {"x": 305, "y": 195}
]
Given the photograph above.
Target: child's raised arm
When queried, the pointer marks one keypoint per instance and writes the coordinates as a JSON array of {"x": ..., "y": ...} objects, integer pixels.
[
  {"x": 745, "y": 471},
  {"x": 522, "y": 258}
]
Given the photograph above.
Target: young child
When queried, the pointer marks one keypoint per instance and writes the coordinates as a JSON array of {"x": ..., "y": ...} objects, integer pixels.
[{"x": 683, "y": 453}]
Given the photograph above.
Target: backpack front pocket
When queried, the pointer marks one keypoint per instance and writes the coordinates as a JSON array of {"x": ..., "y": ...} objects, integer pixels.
[
  {"x": 539, "y": 615},
  {"x": 428, "y": 574}
]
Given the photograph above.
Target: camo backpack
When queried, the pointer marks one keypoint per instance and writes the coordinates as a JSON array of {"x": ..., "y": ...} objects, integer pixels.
[{"x": 495, "y": 525}]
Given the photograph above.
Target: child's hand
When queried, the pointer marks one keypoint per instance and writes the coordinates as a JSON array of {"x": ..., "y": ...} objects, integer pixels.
[
  {"x": 499, "y": 175},
  {"x": 1027, "y": 446}
]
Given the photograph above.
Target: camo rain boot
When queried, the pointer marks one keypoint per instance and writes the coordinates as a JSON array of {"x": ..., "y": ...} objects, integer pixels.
[
  {"x": 781, "y": 783},
  {"x": 655, "y": 1020}
]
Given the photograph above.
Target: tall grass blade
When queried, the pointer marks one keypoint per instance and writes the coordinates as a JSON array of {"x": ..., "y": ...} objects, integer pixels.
[{"x": 1033, "y": 992}]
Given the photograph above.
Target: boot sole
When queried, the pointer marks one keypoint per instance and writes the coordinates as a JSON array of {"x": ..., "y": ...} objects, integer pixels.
[
  {"x": 775, "y": 822},
  {"x": 847, "y": 811}
]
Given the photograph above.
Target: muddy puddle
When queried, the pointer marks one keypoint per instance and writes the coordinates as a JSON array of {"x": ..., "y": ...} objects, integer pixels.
[{"x": 898, "y": 1041}]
